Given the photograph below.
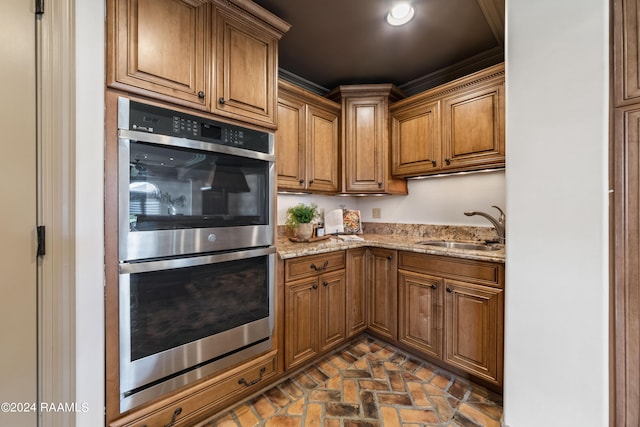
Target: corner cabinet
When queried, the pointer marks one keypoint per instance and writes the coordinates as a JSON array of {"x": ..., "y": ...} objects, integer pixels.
[
  {"x": 356, "y": 291},
  {"x": 307, "y": 141},
  {"x": 365, "y": 139},
  {"x": 381, "y": 277},
  {"x": 217, "y": 56},
  {"x": 452, "y": 309},
  {"x": 455, "y": 127},
  {"x": 315, "y": 304}
]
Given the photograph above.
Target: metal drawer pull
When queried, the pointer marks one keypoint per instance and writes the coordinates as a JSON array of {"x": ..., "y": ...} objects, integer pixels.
[
  {"x": 254, "y": 382},
  {"x": 449, "y": 290},
  {"x": 316, "y": 268},
  {"x": 173, "y": 419}
]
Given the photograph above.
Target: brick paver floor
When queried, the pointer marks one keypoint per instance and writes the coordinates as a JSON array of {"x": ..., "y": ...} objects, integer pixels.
[{"x": 369, "y": 383}]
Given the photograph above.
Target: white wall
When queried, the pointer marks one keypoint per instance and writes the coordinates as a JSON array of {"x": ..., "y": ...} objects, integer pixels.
[
  {"x": 557, "y": 286},
  {"x": 437, "y": 200},
  {"x": 89, "y": 211}
]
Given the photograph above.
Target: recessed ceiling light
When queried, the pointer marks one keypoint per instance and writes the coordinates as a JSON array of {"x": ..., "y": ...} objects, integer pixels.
[{"x": 400, "y": 14}]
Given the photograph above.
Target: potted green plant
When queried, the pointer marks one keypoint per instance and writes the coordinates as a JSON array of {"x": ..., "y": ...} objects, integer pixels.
[{"x": 299, "y": 219}]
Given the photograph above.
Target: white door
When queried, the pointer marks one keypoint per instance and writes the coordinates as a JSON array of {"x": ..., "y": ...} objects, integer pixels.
[{"x": 18, "y": 309}]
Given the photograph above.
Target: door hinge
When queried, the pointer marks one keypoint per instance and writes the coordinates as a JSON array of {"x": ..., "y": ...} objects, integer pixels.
[
  {"x": 39, "y": 7},
  {"x": 41, "y": 232}
]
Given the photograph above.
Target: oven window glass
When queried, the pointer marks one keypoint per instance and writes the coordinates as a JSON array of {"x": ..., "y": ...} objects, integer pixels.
[
  {"x": 170, "y": 308},
  {"x": 174, "y": 188}
]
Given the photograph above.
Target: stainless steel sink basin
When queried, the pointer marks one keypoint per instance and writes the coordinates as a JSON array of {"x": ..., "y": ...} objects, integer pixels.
[{"x": 460, "y": 245}]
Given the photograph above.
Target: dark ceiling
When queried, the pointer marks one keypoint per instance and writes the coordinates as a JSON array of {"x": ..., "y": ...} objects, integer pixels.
[{"x": 334, "y": 42}]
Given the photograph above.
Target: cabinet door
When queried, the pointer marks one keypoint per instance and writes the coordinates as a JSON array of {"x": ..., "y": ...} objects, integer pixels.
[
  {"x": 301, "y": 321},
  {"x": 365, "y": 137},
  {"x": 415, "y": 139},
  {"x": 322, "y": 150},
  {"x": 382, "y": 286},
  {"x": 420, "y": 312},
  {"x": 473, "y": 128},
  {"x": 332, "y": 309},
  {"x": 627, "y": 57},
  {"x": 290, "y": 144},
  {"x": 245, "y": 70},
  {"x": 474, "y": 329},
  {"x": 356, "y": 291},
  {"x": 160, "y": 48}
]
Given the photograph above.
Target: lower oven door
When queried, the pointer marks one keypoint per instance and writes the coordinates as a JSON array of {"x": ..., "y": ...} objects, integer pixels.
[{"x": 184, "y": 318}]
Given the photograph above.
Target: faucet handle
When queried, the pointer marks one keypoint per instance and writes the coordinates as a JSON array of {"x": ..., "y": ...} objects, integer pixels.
[{"x": 502, "y": 216}]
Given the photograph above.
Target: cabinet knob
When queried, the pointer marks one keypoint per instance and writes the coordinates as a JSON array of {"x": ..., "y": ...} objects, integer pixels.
[
  {"x": 315, "y": 286},
  {"x": 389, "y": 257},
  {"x": 201, "y": 95},
  {"x": 447, "y": 161},
  {"x": 379, "y": 184},
  {"x": 301, "y": 181},
  {"x": 449, "y": 290},
  {"x": 221, "y": 101},
  {"x": 325, "y": 283},
  {"x": 433, "y": 163},
  {"x": 310, "y": 181},
  {"x": 434, "y": 286}
]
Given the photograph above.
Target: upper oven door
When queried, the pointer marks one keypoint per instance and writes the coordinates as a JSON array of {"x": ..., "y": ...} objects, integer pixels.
[{"x": 179, "y": 196}]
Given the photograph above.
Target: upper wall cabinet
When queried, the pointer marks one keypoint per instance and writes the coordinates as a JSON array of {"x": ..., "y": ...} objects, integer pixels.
[
  {"x": 307, "y": 141},
  {"x": 626, "y": 54},
  {"x": 455, "y": 127},
  {"x": 218, "y": 56},
  {"x": 366, "y": 166}
]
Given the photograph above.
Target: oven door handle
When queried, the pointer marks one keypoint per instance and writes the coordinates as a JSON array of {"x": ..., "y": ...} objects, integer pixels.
[{"x": 166, "y": 264}]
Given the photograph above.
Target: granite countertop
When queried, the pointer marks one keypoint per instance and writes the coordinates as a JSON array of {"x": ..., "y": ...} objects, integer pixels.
[{"x": 288, "y": 249}]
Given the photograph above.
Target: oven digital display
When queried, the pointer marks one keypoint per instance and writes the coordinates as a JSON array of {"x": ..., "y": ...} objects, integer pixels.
[{"x": 208, "y": 130}]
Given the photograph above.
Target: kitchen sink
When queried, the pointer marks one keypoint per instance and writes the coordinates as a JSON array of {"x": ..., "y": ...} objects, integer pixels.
[{"x": 460, "y": 245}]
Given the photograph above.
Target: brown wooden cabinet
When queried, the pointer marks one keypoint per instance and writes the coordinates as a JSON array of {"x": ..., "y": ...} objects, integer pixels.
[
  {"x": 453, "y": 309},
  {"x": 246, "y": 66},
  {"x": 420, "y": 312},
  {"x": 365, "y": 138},
  {"x": 315, "y": 304},
  {"x": 307, "y": 141},
  {"x": 382, "y": 291},
  {"x": 356, "y": 291},
  {"x": 473, "y": 329},
  {"x": 160, "y": 48},
  {"x": 218, "y": 56},
  {"x": 625, "y": 216},
  {"x": 455, "y": 127}
]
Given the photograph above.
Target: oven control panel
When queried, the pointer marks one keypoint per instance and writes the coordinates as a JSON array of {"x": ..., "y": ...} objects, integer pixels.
[{"x": 162, "y": 121}]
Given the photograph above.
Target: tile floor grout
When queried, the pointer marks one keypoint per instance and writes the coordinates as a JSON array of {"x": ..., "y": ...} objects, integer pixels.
[{"x": 368, "y": 383}]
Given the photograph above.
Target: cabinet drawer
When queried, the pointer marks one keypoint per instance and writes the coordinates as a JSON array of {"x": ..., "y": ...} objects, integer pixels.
[
  {"x": 299, "y": 268},
  {"x": 480, "y": 272},
  {"x": 194, "y": 405}
]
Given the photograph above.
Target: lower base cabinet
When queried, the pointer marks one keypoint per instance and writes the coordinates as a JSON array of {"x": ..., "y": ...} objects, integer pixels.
[
  {"x": 420, "y": 313},
  {"x": 315, "y": 306},
  {"x": 453, "y": 309},
  {"x": 382, "y": 291}
]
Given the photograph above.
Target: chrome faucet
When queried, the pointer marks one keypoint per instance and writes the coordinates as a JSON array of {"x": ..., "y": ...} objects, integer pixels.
[{"x": 499, "y": 223}]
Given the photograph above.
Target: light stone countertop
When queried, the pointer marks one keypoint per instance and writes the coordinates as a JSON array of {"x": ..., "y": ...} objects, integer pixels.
[{"x": 288, "y": 249}]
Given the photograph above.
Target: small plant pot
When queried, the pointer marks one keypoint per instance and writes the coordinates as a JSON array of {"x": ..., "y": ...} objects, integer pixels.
[{"x": 304, "y": 231}]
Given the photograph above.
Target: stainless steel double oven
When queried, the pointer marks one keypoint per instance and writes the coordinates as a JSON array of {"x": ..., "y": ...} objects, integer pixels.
[{"x": 196, "y": 248}]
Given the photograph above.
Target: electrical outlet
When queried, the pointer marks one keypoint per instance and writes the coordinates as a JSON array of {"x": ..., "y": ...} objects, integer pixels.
[{"x": 376, "y": 213}]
